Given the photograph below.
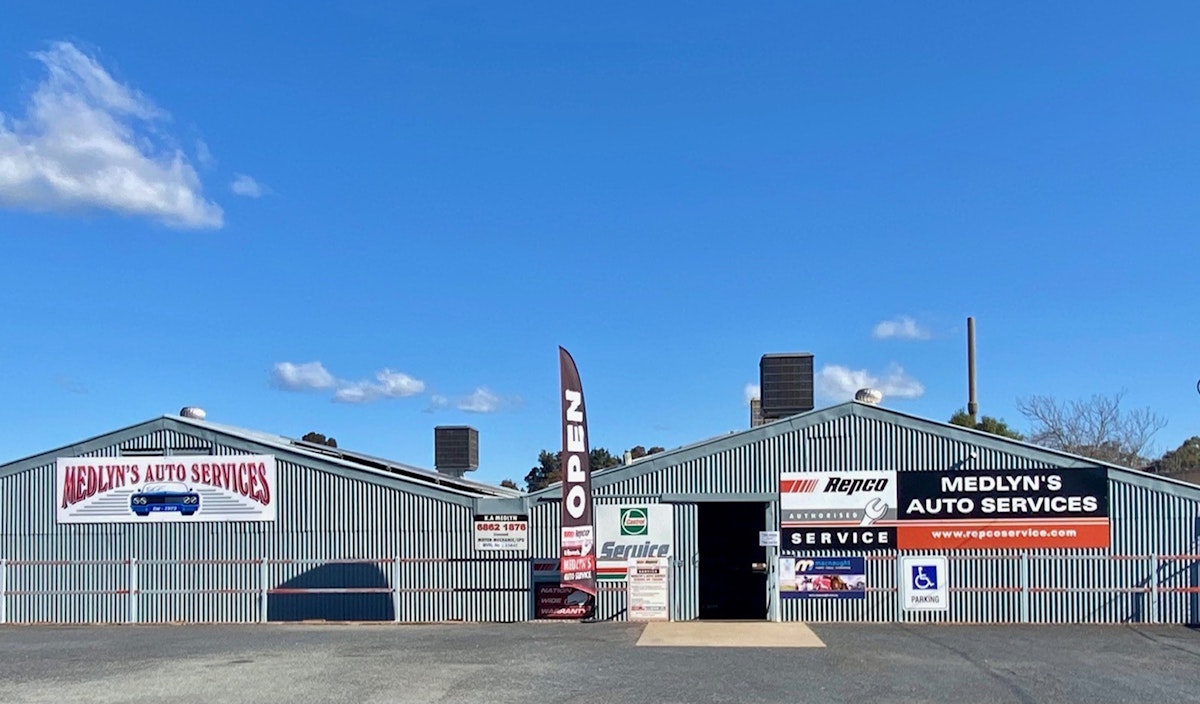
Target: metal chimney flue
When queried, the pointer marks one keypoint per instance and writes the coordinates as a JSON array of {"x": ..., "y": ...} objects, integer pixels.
[{"x": 972, "y": 401}]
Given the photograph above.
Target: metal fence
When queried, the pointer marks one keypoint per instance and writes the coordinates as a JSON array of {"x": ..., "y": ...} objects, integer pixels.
[
  {"x": 132, "y": 590},
  {"x": 1021, "y": 588},
  {"x": 1028, "y": 588}
]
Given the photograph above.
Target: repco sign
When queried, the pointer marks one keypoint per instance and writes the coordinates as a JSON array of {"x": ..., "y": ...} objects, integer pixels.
[{"x": 853, "y": 510}]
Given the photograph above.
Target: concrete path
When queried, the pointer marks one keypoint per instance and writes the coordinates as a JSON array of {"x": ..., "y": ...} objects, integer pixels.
[{"x": 729, "y": 634}]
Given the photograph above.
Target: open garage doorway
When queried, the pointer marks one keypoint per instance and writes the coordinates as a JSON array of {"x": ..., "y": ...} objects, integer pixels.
[{"x": 733, "y": 578}]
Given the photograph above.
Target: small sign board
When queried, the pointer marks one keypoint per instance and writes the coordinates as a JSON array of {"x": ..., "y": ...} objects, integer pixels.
[
  {"x": 551, "y": 601},
  {"x": 501, "y": 532},
  {"x": 822, "y": 577},
  {"x": 649, "y": 596},
  {"x": 768, "y": 538},
  {"x": 925, "y": 583}
]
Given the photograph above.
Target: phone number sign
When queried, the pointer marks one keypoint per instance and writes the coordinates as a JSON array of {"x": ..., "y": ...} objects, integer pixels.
[{"x": 501, "y": 532}]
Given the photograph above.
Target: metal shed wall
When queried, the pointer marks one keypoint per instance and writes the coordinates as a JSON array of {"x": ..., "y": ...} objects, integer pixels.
[
  {"x": 1150, "y": 518},
  {"x": 331, "y": 532}
]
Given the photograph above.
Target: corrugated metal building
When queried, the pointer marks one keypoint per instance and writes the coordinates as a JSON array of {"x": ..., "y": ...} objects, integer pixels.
[
  {"x": 352, "y": 538},
  {"x": 1149, "y": 572},
  {"x": 359, "y": 538}
]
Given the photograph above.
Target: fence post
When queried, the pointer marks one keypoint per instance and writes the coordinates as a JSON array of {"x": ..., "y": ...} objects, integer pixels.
[
  {"x": 133, "y": 590},
  {"x": 3, "y": 590},
  {"x": 898, "y": 574},
  {"x": 1024, "y": 587},
  {"x": 396, "y": 589},
  {"x": 1153, "y": 588},
  {"x": 263, "y": 585}
]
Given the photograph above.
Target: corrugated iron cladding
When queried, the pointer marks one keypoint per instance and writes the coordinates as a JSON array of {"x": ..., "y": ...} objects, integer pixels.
[
  {"x": 210, "y": 572},
  {"x": 986, "y": 584},
  {"x": 324, "y": 516}
]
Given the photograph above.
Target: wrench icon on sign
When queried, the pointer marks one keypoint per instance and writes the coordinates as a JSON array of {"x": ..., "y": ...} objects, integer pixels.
[{"x": 874, "y": 510}]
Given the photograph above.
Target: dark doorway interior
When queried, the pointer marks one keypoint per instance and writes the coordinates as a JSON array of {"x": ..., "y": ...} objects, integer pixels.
[{"x": 731, "y": 586}]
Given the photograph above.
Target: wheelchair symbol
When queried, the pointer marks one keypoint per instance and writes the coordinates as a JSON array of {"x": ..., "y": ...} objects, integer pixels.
[{"x": 923, "y": 581}]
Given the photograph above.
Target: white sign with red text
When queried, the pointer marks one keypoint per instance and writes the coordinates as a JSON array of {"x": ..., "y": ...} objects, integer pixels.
[
  {"x": 649, "y": 597},
  {"x": 176, "y": 489},
  {"x": 501, "y": 531}
]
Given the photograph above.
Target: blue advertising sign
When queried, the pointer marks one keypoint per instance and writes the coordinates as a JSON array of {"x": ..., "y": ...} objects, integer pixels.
[{"x": 822, "y": 577}]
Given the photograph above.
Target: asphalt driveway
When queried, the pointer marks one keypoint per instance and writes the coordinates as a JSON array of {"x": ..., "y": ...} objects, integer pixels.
[{"x": 591, "y": 663}]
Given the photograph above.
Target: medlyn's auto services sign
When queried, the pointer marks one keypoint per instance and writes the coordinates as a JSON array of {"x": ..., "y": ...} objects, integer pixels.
[
  {"x": 631, "y": 531},
  {"x": 177, "y": 489},
  {"x": 837, "y": 511},
  {"x": 991, "y": 509}
]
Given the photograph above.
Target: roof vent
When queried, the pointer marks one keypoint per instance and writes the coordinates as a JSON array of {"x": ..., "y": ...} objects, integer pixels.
[
  {"x": 871, "y": 396},
  {"x": 193, "y": 412}
]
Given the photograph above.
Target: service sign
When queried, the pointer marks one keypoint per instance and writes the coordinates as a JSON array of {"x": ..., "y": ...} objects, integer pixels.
[
  {"x": 176, "y": 489},
  {"x": 649, "y": 598},
  {"x": 501, "y": 531},
  {"x": 838, "y": 510},
  {"x": 925, "y": 583},
  {"x": 989, "y": 509},
  {"x": 822, "y": 577},
  {"x": 631, "y": 531}
]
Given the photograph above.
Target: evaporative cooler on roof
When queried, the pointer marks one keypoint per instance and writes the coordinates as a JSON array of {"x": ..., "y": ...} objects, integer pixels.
[
  {"x": 455, "y": 449},
  {"x": 785, "y": 383}
]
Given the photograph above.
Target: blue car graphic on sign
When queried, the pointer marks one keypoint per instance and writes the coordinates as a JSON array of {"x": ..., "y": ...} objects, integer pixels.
[{"x": 165, "y": 496}]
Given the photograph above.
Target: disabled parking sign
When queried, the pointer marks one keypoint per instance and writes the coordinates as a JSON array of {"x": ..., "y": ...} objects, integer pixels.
[
  {"x": 924, "y": 577},
  {"x": 924, "y": 583}
]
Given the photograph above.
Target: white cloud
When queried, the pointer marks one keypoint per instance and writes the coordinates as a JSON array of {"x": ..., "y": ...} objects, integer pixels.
[
  {"x": 299, "y": 377},
  {"x": 355, "y": 392},
  {"x": 751, "y": 392},
  {"x": 837, "y": 383},
  {"x": 244, "y": 185},
  {"x": 398, "y": 385},
  {"x": 480, "y": 401},
  {"x": 903, "y": 328},
  {"x": 436, "y": 403},
  {"x": 203, "y": 155},
  {"x": 387, "y": 384},
  {"x": 87, "y": 141}
]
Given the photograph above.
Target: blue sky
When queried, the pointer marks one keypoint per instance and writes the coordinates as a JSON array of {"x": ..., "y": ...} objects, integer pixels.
[{"x": 372, "y": 220}]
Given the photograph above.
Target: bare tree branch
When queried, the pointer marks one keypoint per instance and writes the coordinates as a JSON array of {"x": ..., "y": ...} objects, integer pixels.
[{"x": 1095, "y": 427}]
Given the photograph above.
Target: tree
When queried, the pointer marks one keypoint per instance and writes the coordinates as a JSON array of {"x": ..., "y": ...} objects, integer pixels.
[
  {"x": 1096, "y": 427},
  {"x": 638, "y": 451},
  {"x": 987, "y": 424},
  {"x": 1183, "y": 459},
  {"x": 509, "y": 484},
  {"x": 319, "y": 439},
  {"x": 548, "y": 469},
  {"x": 600, "y": 458},
  {"x": 545, "y": 473}
]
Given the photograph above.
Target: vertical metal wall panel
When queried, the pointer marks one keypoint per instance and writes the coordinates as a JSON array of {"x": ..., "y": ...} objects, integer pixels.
[
  {"x": 1064, "y": 585},
  {"x": 685, "y": 584},
  {"x": 211, "y": 572}
]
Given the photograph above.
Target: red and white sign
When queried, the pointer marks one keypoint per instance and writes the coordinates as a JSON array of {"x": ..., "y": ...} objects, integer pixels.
[
  {"x": 175, "y": 489},
  {"x": 501, "y": 532},
  {"x": 649, "y": 597}
]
